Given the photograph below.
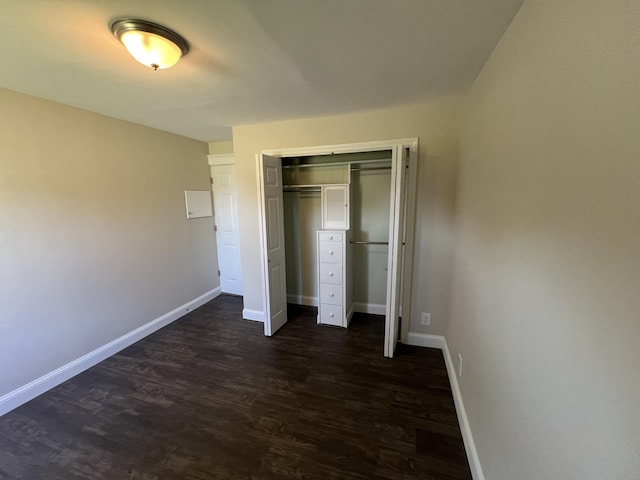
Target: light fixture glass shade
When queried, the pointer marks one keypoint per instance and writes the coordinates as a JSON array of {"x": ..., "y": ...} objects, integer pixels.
[
  {"x": 149, "y": 43},
  {"x": 151, "y": 50}
]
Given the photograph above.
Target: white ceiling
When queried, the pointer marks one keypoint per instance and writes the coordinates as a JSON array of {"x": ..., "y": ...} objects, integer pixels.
[{"x": 251, "y": 61}]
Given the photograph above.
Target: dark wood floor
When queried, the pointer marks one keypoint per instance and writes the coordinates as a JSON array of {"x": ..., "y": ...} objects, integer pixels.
[{"x": 209, "y": 397}]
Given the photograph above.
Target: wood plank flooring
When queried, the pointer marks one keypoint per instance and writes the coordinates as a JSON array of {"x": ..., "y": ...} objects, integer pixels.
[{"x": 209, "y": 397}]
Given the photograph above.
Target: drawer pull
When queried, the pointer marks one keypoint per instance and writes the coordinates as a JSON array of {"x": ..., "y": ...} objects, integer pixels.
[
  {"x": 331, "y": 294},
  {"x": 330, "y": 252},
  {"x": 331, "y": 274},
  {"x": 331, "y": 237},
  {"x": 331, "y": 315}
]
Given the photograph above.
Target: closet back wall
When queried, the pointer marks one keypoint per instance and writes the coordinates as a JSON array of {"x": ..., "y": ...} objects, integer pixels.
[
  {"x": 302, "y": 219},
  {"x": 370, "y": 196}
]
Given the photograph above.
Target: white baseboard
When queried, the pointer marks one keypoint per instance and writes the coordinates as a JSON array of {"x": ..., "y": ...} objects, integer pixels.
[
  {"x": 467, "y": 437},
  {"x": 52, "y": 379},
  {"x": 302, "y": 300},
  {"x": 349, "y": 315},
  {"x": 426, "y": 340},
  {"x": 438, "y": 341},
  {"x": 256, "y": 315},
  {"x": 373, "y": 308}
]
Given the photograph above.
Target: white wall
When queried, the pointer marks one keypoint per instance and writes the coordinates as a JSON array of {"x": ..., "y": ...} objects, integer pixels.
[
  {"x": 94, "y": 241},
  {"x": 546, "y": 303},
  {"x": 435, "y": 124}
]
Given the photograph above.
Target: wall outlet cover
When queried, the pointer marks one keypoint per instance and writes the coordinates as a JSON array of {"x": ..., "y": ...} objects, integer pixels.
[{"x": 425, "y": 319}]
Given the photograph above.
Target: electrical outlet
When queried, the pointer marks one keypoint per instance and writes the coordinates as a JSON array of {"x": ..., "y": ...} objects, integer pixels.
[
  {"x": 460, "y": 365},
  {"x": 425, "y": 319}
]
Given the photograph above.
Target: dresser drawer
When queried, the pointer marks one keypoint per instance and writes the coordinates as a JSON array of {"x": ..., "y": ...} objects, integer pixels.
[
  {"x": 331, "y": 294},
  {"x": 330, "y": 252},
  {"x": 331, "y": 315},
  {"x": 330, "y": 236},
  {"x": 331, "y": 273}
]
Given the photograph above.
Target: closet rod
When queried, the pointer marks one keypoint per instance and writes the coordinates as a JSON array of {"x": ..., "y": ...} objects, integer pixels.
[
  {"x": 369, "y": 168},
  {"x": 368, "y": 243},
  {"x": 302, "y": 189},
  {"x": 336, "y": 164}
]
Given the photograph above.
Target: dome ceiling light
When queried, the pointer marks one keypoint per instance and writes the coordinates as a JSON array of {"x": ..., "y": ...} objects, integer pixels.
[{"x": 149, "y": 43}]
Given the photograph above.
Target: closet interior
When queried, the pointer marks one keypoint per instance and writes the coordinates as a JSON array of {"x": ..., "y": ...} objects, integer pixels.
[{"x": 336, "y": 225}]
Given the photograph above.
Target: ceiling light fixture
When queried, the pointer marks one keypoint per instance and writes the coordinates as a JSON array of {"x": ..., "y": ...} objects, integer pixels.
[{"x": 149, "y": 43}]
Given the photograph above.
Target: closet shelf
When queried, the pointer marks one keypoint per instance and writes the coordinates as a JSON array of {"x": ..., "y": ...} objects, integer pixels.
[
  {"x": 358, "y": 169},
  {"x": 337, "y": 164},
  {"x": 368, "y": 243},
  {"x": 311, "y": 186},
  {"x": 302, "y": 188}
]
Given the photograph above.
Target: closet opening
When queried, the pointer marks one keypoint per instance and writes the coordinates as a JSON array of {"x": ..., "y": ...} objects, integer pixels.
[
  {"x": 330, "y": 200},
  {"x": 335, "y": 231}
]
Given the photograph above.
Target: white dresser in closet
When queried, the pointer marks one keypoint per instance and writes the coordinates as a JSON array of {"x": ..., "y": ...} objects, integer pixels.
[{"x": 334, "y": 286}]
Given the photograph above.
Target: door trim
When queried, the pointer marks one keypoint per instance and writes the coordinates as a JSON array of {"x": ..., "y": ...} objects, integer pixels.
[
  {"x": 409, "y": 241},
  {"x": 412, "y": 145},
  {"x": 221, "y": 159},
  {"x": 395, "y": 258}
]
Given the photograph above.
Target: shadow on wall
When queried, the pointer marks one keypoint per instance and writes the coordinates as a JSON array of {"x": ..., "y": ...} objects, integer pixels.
[{"x": 435, "y": 237}]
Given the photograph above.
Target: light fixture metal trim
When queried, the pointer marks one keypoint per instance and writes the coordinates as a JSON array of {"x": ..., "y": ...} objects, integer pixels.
[{"x": 120, "y": 27}]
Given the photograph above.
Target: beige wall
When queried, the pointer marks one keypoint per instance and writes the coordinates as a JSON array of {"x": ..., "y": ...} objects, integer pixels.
[
  {"x": 546, "y": 304},
  {"x": 93, "y": 236},
  {"x": 436, "y": 126},
  {"x": 219, "y": 148}
]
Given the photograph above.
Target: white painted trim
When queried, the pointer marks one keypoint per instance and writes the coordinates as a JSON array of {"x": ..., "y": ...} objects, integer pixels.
[
  {"x": 438, "y": 341},
  {"x": 350, "y": 315},
  {"x": 411, "y": 143},
  {"x": 221, "y": 159},
  {"x": 373, "y": 308},
  {"x": 395, "y": 255},
  {"x": 409, "y": 237},
  {"x": 426, "y": 340},
  {"x": 302, "y": 300},
  {"x": 52, "y": 379},
  {"x": 255, "y": 315},
  {"x": 465, "y": 428}
]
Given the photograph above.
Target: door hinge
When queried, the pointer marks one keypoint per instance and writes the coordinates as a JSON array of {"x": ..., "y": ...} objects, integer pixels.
[
  {"x": 211, "y": 180},
  {"x": 215, "y": 228},
  {"x": 218, "y": 272}
]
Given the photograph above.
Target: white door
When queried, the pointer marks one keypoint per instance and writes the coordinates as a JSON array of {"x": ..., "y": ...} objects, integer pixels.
[
  {"x": 272, "y": 233},
  {"x": 394, "y": 265},
  {"x": 227, "y": 235}
]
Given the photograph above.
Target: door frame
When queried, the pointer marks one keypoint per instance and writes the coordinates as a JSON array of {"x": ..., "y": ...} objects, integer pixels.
[
  {"x": 397, "y": 227},
  {"x": 409, "y": 234}
]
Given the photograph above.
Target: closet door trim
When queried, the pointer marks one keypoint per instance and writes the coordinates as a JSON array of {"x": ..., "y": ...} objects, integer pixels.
[{"x": 412, "y": 145}]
